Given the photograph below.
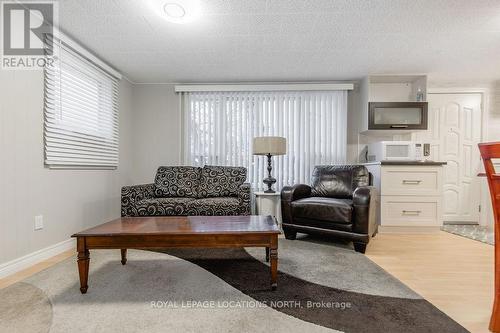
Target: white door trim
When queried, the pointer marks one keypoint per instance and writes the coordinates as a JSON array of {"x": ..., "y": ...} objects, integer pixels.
[{"x": 485, "y": 105}]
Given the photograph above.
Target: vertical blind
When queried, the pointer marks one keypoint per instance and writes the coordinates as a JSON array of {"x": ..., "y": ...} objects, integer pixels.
[
  {"x": 220, "y": 126},
  {"x": 81, "y": 112}
]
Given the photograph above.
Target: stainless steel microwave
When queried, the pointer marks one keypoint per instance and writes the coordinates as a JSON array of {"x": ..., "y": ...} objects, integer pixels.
[{"x": 397, "y": 115}]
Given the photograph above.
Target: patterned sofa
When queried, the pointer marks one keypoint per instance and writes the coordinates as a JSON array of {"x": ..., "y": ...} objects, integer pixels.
[{"x": 185, "y": 190}]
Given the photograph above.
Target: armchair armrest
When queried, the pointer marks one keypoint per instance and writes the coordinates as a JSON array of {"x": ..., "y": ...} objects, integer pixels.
[
  {"x": 131, "y": 194},
  {"x": 289, "y": 194},
  {"x": 295, "y": 192},
  {"x": 364, "y": 212},
  {"x": 244, "y": 198}
]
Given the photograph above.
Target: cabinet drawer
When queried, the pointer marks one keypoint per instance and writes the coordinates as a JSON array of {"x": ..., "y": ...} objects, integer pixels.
[
  {"x": 411, "y": 181},
  {"x": 410, "y": 211}
]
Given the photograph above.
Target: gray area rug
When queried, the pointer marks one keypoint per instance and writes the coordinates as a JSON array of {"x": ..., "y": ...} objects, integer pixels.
[
  {"x": 24, "y": 308},
  {"x": 335, "y": 265},
  {"x": 220, "y": 291},
  {"x": 364, "y": 312}
]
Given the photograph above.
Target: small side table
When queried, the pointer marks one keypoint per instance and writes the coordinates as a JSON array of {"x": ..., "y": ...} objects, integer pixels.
[{"x": 268, "y": 204}]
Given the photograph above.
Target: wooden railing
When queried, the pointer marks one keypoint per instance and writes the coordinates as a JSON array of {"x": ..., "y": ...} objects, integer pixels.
[{"x": 492, "y": 151}]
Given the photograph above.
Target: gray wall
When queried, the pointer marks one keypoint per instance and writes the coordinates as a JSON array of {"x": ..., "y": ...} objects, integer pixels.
[
  {"x": 492, "y": 133},
  {"x": 69, "y": 200},
  {"x": 353, "y": 107},
  {"x": 493, "y": 129},
  {"x": 156, "y": 124}
]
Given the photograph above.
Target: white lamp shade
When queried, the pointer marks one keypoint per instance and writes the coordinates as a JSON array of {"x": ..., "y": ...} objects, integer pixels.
[{"x": 274, "y": 145}]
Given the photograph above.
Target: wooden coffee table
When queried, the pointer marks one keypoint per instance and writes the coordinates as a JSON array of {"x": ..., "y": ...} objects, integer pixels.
[{"x": 178, "y": 232}]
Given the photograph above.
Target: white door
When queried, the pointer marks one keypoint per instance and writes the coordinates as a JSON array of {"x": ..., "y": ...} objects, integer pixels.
[{"x": 454, "y": 132}]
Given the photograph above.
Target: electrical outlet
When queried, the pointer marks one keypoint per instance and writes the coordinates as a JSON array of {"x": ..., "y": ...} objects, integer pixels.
[{"x": 38, "y": 222}]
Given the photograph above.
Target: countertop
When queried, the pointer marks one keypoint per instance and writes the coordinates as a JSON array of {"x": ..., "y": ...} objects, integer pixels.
[{"x": 419, "y": 163}]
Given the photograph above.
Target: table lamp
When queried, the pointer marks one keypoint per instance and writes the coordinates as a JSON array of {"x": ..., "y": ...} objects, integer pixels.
[{"x": 269, "y": 146}]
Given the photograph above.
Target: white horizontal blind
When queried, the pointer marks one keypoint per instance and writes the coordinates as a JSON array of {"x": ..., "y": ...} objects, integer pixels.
[
  {"x": 81, "y": 112},
  {"x": 220, "y": 126}
]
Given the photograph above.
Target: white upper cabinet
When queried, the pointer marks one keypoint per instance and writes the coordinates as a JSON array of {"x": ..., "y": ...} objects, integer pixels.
[{"x": 393, "y": 103}]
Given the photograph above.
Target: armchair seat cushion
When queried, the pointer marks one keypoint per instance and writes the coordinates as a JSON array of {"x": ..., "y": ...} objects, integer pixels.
[
  {"x": 162, "y": 206},
  {"x": 323, "y": 209},
  {"x": 214, "y": 206}
]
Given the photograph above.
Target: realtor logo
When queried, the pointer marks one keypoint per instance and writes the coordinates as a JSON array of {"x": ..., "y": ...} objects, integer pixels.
[{"x": 27, "y": 34}]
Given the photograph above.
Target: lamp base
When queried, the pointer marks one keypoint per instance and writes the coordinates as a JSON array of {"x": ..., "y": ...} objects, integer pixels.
[{"x": 269, "y": 181}]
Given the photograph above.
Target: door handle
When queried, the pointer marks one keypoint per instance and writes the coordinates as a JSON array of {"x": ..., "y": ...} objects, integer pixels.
[
  {"x": 409, "y": 181},
  {"x": 399, "y": 126},
  {"x": 411, "y": 212}
]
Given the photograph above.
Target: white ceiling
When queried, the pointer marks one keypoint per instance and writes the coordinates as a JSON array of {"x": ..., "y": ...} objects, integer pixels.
[{"x": 292, "y": 40}]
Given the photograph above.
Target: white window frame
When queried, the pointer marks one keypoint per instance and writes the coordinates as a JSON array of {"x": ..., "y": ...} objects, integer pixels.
[
  {"x": 81, "y": 116},
  {"x": 285, "y": 168}
]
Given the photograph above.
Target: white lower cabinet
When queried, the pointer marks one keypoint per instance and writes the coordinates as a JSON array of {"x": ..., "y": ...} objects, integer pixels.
[
  {"x": 410, "y": 195},
  {"x": 411, "y": 180},
  {"x": 410, "y": 211}
]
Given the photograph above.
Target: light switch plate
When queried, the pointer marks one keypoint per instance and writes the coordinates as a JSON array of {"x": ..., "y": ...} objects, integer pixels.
[
  {"x": 38, "y": 222},
  {"x": 427, "y": 149}
]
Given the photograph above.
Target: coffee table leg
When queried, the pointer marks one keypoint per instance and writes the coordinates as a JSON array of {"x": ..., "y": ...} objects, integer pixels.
[
  {"x": 267, "y": 254},
  {"x": 124, "y": 256},
  {"x": 273, "y": 254},
  {"x": 83, "y": 264}
]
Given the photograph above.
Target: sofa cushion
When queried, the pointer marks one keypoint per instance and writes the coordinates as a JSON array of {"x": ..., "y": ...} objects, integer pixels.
[
  {"x": 338, "y": 181},
  {"x": 323, "y": 209},
  {"x": 177, "y": 181},
  {"x": 162, "y": 207},
  {"x": 221, "y": 181},
  {"x": 214, "y": 206}
]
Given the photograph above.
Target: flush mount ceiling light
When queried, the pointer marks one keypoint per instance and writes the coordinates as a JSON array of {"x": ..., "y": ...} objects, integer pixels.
[
  {"x": 174, "y": 10},
  {"x": 177, "y": 11}
]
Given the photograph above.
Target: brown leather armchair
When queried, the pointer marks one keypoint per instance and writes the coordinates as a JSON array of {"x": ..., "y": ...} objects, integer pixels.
[{"x": 339, "y": 202}]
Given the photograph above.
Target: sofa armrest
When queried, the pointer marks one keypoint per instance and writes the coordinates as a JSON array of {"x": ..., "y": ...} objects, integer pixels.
[
  {"x": 131, "y": 194},
  {"x": 365, "y": 210},
  {"x": 244, "y": 197},
  {"x": 289, "y": 194}
]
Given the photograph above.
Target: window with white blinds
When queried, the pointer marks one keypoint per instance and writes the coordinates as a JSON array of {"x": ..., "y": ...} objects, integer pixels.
[
  {"x": 81, "y": 112},
  {"x": 220, "y": 126}
]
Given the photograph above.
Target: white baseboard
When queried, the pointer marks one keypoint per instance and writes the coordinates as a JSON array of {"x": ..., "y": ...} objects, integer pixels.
[
  {"x": 31, "y": 259},
  {"x": 407, "y": 229}
]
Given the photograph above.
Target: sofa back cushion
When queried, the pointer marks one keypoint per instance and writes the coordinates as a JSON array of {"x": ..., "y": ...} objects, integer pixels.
[
  {"x": 177, "y": 181},
  {"x": 221, "y": 181},
  {"x": 338, "y": 181}
]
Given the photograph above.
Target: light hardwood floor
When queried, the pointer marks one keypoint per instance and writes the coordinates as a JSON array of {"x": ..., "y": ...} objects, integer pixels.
[
  {"x": 11, "y": 279},
  {"x": 453, "y": 273}
]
